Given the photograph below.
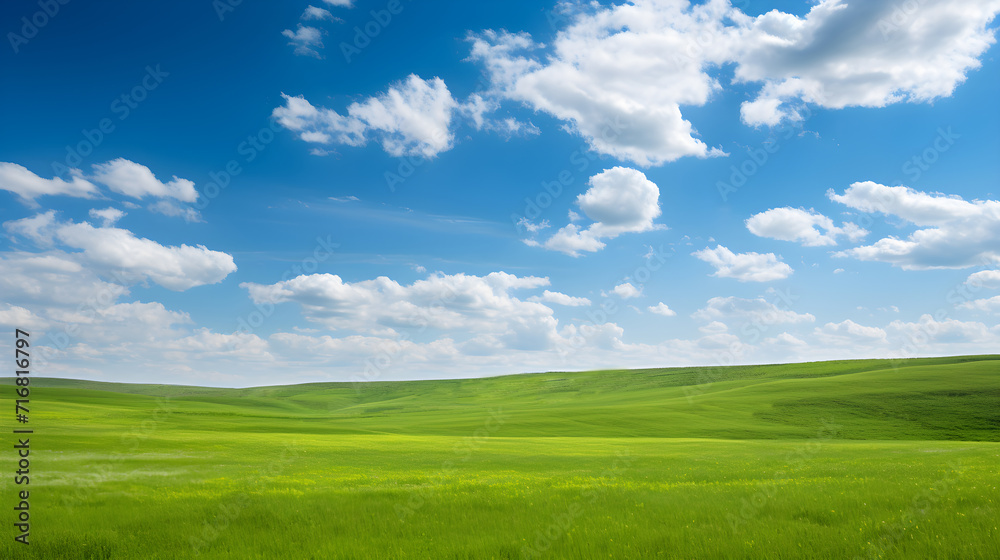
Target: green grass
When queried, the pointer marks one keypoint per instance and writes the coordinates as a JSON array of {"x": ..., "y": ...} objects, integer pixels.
[{"x": 870, "y": 459}]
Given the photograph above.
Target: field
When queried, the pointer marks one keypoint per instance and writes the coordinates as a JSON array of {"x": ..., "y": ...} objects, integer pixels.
[{"x": 868, "y": 459}]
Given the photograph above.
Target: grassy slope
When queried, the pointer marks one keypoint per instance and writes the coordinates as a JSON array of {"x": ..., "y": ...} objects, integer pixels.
[
  {"x": 601, "y": 461},
  {"x": 919, "y": 399}
]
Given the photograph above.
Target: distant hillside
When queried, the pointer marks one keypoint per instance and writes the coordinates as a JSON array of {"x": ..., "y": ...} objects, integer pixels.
[{"x": 956, "y": 398}]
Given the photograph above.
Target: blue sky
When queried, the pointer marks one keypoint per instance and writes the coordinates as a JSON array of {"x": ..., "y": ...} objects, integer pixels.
[{"x": 249, "y": 194}]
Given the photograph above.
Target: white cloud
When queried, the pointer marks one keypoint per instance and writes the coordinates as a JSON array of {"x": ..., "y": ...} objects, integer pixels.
[
  {"x": 312, "y": 12},
  {"x": 785, "y": 339},
  {"x": 619, "y": 200},
  {"x": 989, "y": 305},
  {"x": 838, "y": 271},
  {"x": 37, "y": 228},
  {"x": 848, "y": 332},
  {"x": 627, "y": 290},
  {"x": 51, "y": 278},
  {"x": 306, "y": 39},
  {"x": 411, "y": 118},
  {"x": 112, "y": 250},
  {"x": 462, "y": 303},
  {"x": 929, "y": 330},
  {"x": 176, "y": 268},
  {"x": 137, "y": 181},
  {"x": 662, "y": 309},
  {"x": 340, "y": 3},
  {"x": 714, "y": 327},
  {"x": 952, "y": 232},
  {"x": 810, "y": 228},
  {"x": 745, "y": 267},
  {"x": 208, "y": 344},
  {"x": 868, "y": 54},
  {"x": 108, "y": 216},
  {"x": 28, "y": 186},
  {"x": 985, "y": 278},
  {"x": 356, "y": 348},
  {"x": 618, "y": 75},
  {"x": 757, "y": 310},
  {"x": 560, "y": 299},
  {"x": 531, "y": 227},
  {"x": 15, "y": 317},
  {"x": 572, "y": 240},
  {"x": 169, "y": 208}
]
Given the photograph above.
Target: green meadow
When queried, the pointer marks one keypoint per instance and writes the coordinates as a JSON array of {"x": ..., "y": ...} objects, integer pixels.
[{"x": 849, "y": 459}]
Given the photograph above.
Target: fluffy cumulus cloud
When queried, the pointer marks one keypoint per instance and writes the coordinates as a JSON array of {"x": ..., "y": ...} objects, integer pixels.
[
  {"x": 82, "y": 327},
  {"x": 724, "y": 310},
  {"x": 560, "y": 299},
  {"x": 662, "y": 309},
  {"x": 808, "y": 227},
  {"x": 108, "y": 216},
  {"x": 29, "y": 186},
  {"x": 412, "y": 117},
  {"x": 989, "y": 305},
  {"x": 315, "y": 13},
  {"x": 120, "y": 176},
  {"x": 137, "y": 181},
  {"x": 481, "y": 304},
  {"x": 620, "y": 200},
  {"x": 16, "y": 317},
  {"x": 984, "y": 278},
  {"x": 952, "y": 232},
  {"x": 174, "y": 210},
  {"x": 848, "y": 332},
  {"x": 627, "y": 291},
  {"x": 51, "y": 278},
  {"x": 866, "y": 54},
  {"x": 306, "y": 39},
  {"x": 745, "y": 267},
  {"x": 619, "y": 75},
  {"x": 118, "y": 252},
  {"x": 787, "y": 340},
  {"x": 929, "y": 331}
]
